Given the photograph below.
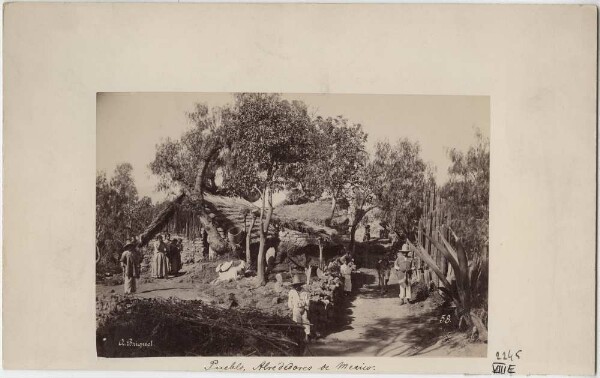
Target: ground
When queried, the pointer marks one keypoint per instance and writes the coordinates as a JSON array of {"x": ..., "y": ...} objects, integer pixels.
[
  {"x": 377, "y": 325},
  {"x": 371, "y": 323}
]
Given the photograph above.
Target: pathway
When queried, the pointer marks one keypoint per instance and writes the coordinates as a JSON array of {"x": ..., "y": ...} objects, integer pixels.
[{"x": 377, "y": 325}]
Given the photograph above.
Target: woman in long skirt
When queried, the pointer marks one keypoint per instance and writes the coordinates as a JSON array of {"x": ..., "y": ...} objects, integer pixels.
[
  {"x": 159, "y": 261},
  {"x": 346, "y": 272}
]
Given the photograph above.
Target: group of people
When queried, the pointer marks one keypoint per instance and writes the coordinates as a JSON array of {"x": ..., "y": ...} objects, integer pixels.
[
  {"x": 167, "y": 256},
  {"x": 165, "y": 261}
]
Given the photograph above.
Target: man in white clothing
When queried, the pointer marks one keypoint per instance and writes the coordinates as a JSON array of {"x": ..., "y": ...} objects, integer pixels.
[{"x": 298, "y": 302}]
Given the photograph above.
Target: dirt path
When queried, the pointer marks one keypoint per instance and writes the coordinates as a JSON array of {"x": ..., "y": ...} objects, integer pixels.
[
  {"x": 157, "y": 288},
  {"x": 377, "y": 325}
]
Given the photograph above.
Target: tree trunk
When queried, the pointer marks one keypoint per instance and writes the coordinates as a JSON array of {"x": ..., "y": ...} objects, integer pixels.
[
  {"x": 352, "y": 237},
  {"x": 463, "y": 278},
  {"x": 306, "y": 270},
  {"x": 201, "y": 175},
  {"x": 263, "y": 229},
  {"x": 248, "y": 238},
  {"x": 333, "y": 203},
  {"x": 320, "y": 254},
  {"x": 216, "y": 241},
  {"x": 260, "y": 264}
]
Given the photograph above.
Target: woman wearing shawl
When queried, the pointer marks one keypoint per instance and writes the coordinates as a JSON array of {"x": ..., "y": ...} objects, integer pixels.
[{"x": 159, "y": 260}]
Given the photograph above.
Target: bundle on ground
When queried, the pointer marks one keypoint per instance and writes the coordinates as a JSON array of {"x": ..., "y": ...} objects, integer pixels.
[{"x": 170, "y": 327}]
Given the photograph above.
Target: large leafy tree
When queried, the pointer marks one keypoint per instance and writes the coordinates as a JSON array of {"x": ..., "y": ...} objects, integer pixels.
[
  {"x": 361, "y": 196},
  {"x": 392, "y": 181},
  {"x": 190, "y": 163},
  {"x": 467, "y": 194},
  {"x": 339, "y": 155},
  {"x": 399, "y": 180},
  {"x": 269, "y": 139}
]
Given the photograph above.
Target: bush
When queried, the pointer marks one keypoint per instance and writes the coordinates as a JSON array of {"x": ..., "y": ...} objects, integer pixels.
[{"x": 419, "y": 291}]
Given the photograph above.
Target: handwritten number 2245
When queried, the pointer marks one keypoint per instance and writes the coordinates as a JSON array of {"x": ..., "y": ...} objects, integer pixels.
[{"x": 508, "y": 356}]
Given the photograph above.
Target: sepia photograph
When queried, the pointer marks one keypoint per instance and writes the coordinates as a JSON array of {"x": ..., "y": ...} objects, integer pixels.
[{"x": 266, "y": 224}]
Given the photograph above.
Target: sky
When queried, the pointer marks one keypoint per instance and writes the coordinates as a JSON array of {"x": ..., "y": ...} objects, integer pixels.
[{"x": 130, "y": 125}]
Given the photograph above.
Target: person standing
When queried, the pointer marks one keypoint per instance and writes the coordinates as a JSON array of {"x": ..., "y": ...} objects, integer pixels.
[
  {"x": 403, "y": 267},
  {"x": 172, "y": 249},
  {"x": 159, "y": 261},
  {"x": 131, "y": 267},
  {"x": 178, "y": 251},
  {"x": 346, "y": 272},
  {"x": 299, "y": 302},
  {"x": 205, "y": 245},
  {"x": 367, "y": 233},
  {"x": 383, "y": 272},
  {"x": 168, "y": 252}
]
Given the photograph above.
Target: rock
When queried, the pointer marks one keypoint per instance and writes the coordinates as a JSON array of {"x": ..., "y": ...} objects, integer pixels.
[
  {"x": 279, "y": 278},
  {"x": 276, "y": 300}
]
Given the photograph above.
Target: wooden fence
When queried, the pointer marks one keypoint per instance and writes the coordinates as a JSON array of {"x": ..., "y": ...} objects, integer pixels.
[{"x": 433, "y": 228}]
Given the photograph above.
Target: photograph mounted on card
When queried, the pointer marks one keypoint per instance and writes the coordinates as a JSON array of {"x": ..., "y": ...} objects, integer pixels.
[{"x": 380, "y": 188}]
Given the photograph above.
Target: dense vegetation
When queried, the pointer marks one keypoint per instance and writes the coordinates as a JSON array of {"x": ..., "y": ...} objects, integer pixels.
[{"x": 119, "y": 215}]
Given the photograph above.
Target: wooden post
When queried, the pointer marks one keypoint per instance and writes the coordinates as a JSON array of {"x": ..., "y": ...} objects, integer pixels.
[{"x": 432, "y": 251}]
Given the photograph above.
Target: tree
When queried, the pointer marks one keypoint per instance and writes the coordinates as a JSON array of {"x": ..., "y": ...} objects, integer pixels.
[
  {"x": 467, "y": 193},
  {"x": 466, "y": 200},
  {"x": 269, "y": 141},
  {"x": 339, "y": 153},
  {"x": 399, "y": 181},
  {"x": 190, "y": 164},
  {"x": 119, "y": 213},
  {"x": 360, "y": 193}
]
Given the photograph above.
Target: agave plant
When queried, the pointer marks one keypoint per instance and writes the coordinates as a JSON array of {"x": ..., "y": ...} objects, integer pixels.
[{"x": 468, "y": 279}]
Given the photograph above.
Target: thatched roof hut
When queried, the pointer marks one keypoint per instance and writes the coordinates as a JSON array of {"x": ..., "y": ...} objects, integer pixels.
[{"x": 228, "y": 212}]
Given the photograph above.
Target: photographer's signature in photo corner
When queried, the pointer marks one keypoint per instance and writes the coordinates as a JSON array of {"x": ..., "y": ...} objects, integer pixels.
[
  {"x": 135, "y": 343},
  {"x": 505, "y": 362}
]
